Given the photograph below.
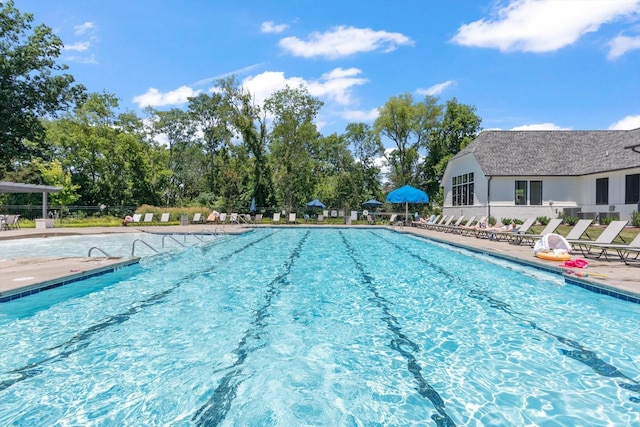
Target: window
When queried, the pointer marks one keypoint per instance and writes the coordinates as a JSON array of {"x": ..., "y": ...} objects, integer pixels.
[
  {"x": 535, "y": 192},
  {"x": 632, "y": 189},
  {"x": 462, "y": 190},
  {"x": 602, "y": 191},
  {"x": 521, "y": 193}
]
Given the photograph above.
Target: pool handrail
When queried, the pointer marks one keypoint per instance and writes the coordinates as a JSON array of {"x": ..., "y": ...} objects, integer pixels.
[
  {"x": 172, "y": 238},
  {"x": 133, "y": 247},
  {"x": 98, "y": 249}
]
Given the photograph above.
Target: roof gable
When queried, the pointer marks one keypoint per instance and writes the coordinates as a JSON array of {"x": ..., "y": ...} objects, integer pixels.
[{"x": 553, "y": 153}]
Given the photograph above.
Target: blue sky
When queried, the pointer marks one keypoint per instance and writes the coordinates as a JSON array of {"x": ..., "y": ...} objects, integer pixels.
[{"x": 525, "y": 64}]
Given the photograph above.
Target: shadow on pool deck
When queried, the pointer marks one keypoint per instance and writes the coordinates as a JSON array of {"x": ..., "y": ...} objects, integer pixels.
[{"x": 22, "y": 275}]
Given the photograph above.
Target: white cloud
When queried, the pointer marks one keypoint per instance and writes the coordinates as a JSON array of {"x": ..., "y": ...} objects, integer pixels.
[
  {"x": 543, "y": 25},
  {"x": 360, "y": 115},
  {"x": 272, "y": 27},
  {"x": 79, "y": 30},
  {"x": 86, "y": 59},
  {"x": 335, "y": 85},
  {"x": 154, "y": 98},
  {"x": 627, "y": 123},
  {"x": 78, "y": 46},
  {"x": 540, "y": 126},
  {"x": 436, "y": 89},
  {"x": 344, "y": 41},
  {"x": 621, "y": 45}
]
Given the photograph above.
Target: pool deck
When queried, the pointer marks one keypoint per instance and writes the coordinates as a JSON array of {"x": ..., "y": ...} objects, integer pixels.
[{"x": 20, "y": 276}]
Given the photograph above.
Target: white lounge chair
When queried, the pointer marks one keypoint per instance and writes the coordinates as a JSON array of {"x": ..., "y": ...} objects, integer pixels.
[
  {"x": 148, "y": 217},
  {"x": 531, "y": 239},
  {"x": 197, "y": 218},
  {"x": 292, "y": 219},
  {"x": 137, "y": 217},
  {"x": 276, "y": 217},
  {"x": 607, "y": 237},
  {"x": 164, "y": 217}
]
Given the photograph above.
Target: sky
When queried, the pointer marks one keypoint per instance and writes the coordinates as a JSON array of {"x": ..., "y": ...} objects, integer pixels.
[{"x": 523, "y": 64}]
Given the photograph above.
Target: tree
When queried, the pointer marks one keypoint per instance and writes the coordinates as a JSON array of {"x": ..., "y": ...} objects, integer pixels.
[
  {"x": 292, "y": 139},
  {"x": 409, "y": 126},
  {"x": 460, "y": 125},
  {"x": 32, "y": 84},
  {"x": 366, "y": 148}
]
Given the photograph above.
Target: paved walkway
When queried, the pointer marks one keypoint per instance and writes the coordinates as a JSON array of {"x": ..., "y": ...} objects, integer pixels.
[{"x": 18, "y": 276}]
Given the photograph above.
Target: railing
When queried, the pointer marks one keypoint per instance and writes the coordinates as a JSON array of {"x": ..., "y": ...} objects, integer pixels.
[
  {"x": 133, "y": 246},
  {"x": 98, "y": 249},
  {"x": 172, "y": 238}
]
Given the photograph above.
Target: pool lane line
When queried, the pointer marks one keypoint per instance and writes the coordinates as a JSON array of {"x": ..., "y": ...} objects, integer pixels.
[
  {"x": 81, "y": 340},
  {"x": 402, "y": 343},
  {"x": 580, "y": 353},
  {"x": 216, "y": 408}
]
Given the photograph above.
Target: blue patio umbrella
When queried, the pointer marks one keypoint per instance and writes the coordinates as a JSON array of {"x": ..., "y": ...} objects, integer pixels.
[
  {"x": 407, "y": 194},
  {"x": 253, "y": 205},
  {"x": 372, "y": 204},
  {"x": 316, "y": 204}
]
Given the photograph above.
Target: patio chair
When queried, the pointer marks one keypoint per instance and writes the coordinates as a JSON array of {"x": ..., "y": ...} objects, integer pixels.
[
  {"x": 148, "y": 217},
  {"x": 197, "y": 218},
  {"x": 233, "y": 219},
  {"x": 607, "y": 237},
  {"x": 458, "y": 229},
  {"x": 258, "y": 218},
  {"x": 276, "y": 217},
  {"x": 292, "y": 219},
  {"x": 164, "y": 217},
  {"x": 223, "y": 218},
  {"x": 579, "y": 229},
  {"x": 623, "y": 252},
  {"x": 392, "y": 219},
  {"x": 137, "y": 217},
  {"x": 449, "y": 226},
  {"x": 507, "y": 235},
  {"x": 437, "y": 223},
  {"x": 531, "y": 239}
]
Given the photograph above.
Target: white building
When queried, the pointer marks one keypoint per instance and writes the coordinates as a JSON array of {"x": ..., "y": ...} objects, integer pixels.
[{"x": 521, "y": 174}]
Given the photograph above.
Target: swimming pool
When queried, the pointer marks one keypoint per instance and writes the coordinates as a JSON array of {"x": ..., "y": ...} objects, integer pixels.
[
  {"x": 116, "y": 244},
  {"x": 320, "y": 327}
]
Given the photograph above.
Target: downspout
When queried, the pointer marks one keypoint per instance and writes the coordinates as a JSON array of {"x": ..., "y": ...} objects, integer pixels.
[{"x": 488, "y": 197}]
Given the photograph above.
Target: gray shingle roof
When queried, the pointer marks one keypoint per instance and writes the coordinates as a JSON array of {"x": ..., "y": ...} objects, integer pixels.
[{"x": 553, "y": 153}]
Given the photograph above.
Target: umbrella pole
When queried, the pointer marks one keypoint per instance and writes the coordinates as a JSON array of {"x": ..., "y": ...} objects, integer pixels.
[{"x": 406, "y": 212}]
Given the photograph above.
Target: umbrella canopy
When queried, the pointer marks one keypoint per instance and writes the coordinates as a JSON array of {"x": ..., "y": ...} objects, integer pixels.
[
  {"x": 407, "y": 194},
  {"x": 316, "y": 204},
  {"x": 372, "y": 204},
  {"x": 253, "y": 205}
]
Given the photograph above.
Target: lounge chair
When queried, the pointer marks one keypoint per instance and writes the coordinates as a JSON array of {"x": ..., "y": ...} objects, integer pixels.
[
  {"x": 624, "y": 252},
  {"x": 148, "y": 217},
  {"x": 197, "y": 218},
  {"x": 421, "y": 223},
  {"x": 164, "y": 217},
  {"x": 531, "y": 239},
  {"x": 607, "y": 237},
  {"x": 437, "y": 223},
  {"x": 447, "y": 223},
  {"x": 292, "y": 219},
  {"x": 258, "y": 218},
  {"x": 137, "y": 217},
  {"x": 370, "y": 219},
  {"x": 507, "y": 235},
  {"x": 448, "y": 227},
  {"x": 276, "y": 217},
  {"x": 458, "y": 229},
  {"x": 233, "y": 219},
  {"x": 579, "y": 229},
  {"x": 320, "y": 218},
  {"x": 223, "y": 218},
  {"x": 392, "y": 219}
]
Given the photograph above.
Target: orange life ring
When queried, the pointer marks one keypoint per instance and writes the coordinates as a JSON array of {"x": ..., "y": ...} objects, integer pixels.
[{"x": 552, "y": 256}]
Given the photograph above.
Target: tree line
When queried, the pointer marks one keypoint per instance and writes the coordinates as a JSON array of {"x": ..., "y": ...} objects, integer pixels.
[{"x": 220, "y": 151}]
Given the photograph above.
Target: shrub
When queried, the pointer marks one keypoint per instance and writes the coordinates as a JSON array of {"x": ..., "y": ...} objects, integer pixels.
[
  {"x": 606, "y": 220},
  {"x": 505, "y": 221},
  {"x": 570, "y": 220},
  {"x": 544, "y": 220},
  {"x": 635, "y": 218},
  {"x": 491, "y": 221}
]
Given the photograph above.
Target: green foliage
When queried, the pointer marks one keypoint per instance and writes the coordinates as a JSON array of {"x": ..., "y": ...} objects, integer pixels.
[
  {"x": 606, "y": 220},
  {"x": 491, "y": 220},
  {"x": 544, "y": 220},
  {"x": 570, "y": 220},
  {"x": 635, "y": 218},
  {"x": 33, "y": 84},
  {"x": 506, "y": 220}
]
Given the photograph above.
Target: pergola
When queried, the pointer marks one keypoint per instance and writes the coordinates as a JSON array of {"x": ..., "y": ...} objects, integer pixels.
[{"x": 16, "y": 187}]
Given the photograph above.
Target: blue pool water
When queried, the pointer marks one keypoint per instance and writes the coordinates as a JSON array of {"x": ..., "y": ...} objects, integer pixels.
[{"x": 283, "y": 327}]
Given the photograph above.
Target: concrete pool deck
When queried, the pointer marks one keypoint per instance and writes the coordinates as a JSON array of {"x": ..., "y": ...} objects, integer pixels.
[{"x": 20, "y": 276}]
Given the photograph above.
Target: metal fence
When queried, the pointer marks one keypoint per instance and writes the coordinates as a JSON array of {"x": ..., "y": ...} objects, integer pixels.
[{"x": 59, "y": 212}]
